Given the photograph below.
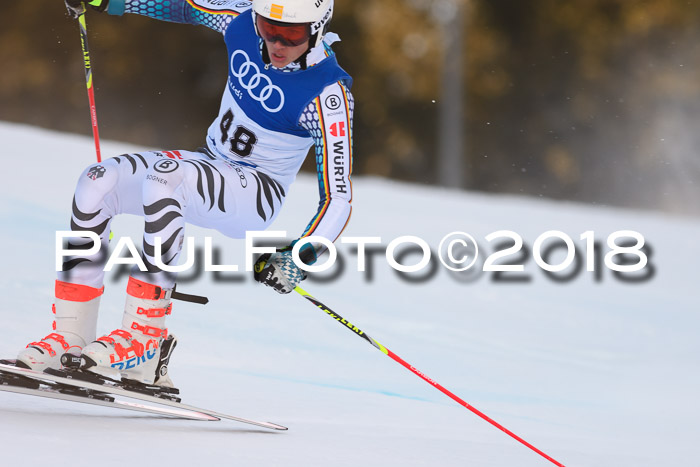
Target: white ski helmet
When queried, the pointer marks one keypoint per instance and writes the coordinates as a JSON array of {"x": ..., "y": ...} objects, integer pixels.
[{"x": 316, "y": 13}]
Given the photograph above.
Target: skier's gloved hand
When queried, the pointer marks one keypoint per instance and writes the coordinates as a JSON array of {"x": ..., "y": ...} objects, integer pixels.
[
  {"x": 77, "y": 7},
  {"x": 278, "y": 270}
]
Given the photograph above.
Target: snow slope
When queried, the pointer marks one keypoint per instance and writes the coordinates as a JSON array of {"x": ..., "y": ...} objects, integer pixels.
[{"x": 595, "y": 373}]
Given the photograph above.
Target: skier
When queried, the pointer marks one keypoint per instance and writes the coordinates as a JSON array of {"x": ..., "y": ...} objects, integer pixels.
[{"x": 285, "y": 92}]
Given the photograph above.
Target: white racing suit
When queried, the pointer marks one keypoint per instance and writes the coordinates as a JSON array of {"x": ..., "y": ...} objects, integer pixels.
[{"x": 268, "y": 121}]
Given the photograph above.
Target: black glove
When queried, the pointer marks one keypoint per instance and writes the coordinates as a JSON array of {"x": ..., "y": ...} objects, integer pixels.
[
  {"x": 77, "y": 7},
  {"x": 278, "y": 270}
]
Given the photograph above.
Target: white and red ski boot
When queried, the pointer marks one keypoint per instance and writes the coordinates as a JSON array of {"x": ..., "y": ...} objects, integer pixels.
[
  {"x": 75, "y": 324},
  {"x": 140, "y": 349}
]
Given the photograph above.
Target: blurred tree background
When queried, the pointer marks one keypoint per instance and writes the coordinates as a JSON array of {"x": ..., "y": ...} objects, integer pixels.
[{"x": 590, "y": 100}]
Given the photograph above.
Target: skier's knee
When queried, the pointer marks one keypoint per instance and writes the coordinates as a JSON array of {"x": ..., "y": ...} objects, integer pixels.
[
  {"x": 95, "y": 182},
  {"x": 162, "y": 180}
]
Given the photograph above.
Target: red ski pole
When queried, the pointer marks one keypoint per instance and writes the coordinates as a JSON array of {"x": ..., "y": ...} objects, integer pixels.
[
  {"x": 88, "y": 79},
  {"x": 417, "y": 372}
]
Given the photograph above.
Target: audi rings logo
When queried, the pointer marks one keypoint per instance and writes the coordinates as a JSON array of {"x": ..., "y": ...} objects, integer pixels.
[{"x": 258, "y": 85}]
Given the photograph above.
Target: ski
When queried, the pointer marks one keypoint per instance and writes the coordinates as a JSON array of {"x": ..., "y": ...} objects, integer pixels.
[
  {"x": 110, "y": 388},
  {"x": 51, "y": 393}
]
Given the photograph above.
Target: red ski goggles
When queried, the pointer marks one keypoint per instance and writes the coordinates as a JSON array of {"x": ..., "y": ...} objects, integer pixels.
[{"x": 291, "y": 35}]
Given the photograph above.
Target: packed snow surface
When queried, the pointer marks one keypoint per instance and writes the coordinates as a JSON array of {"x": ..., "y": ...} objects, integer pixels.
[{"x": 593, "y": 370}]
